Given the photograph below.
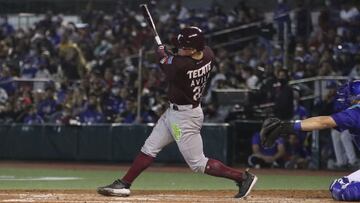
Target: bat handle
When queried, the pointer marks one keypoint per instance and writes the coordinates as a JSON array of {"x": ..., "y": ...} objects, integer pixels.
[{"x": 157, "y": 39}]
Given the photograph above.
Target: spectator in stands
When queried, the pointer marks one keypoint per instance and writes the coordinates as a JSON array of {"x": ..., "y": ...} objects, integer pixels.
[
  {"x": 181, "y": 11},
  {"x": 343, "y": 61},
  {"x": 344, "y": 149},
  {"x": 303, "y": 23},
  {"x": 247, "y": 57},
  {"x": 276, "y": 54},
  {"x": 71, "y": 58},
  {"x": 218, "y": 77},
  {"x": 33, "y": 117},
  {"x": 30, "y": 65},
  {"x": 326, "y": 69},
  {"x": 266, "y": 157},
  {"x": 282, "y": 18},
  {"x": 147, "y": 115},
  {"x": 47, "y": 105},
  {"x": 97, "y": 85},
  {"x": 297, "y": 155},
  {"x": 298, "y": 71},
  {"x": 114, "y": 104},
  {"x": 212, "y": 115},
  {"x": 77, "y": 100},
  {"x": 92, "y": 114},
  {"x": 6, "y": 80},
  {"x": 6, "y": 29},
  {"x": 283, "y": 96},
  {"x": 94, "y": 54},
  {"x": 42, "y": 73},
  {"x": 355, "y": 71},
  {"x": 17, "y": 109},
  {"x": 129, "y": 114},
  {"x": 251, "y": 80},
  {"x": 300, "y": 112},
  {"x": 328, "y": 19},
  {"x": 301, "y": 54},
  {"x": 348, "y": 16},
  {"x": 4, "y": 49},
  {"x": 3, "y": 96}
]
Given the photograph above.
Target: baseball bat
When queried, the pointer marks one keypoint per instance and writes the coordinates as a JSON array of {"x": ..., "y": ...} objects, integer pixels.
[{"x": 150, "y": 21}]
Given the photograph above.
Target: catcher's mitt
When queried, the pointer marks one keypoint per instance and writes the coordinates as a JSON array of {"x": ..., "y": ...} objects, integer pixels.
[{"x": 272, "y": 129}]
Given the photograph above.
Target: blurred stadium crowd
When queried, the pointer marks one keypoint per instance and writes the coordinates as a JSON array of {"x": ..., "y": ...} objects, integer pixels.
[
  {"x": 90, "y": 68},
  {"x": 95, "y": 76}
]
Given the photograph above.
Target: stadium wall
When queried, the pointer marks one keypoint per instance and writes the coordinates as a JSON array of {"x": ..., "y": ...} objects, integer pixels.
[{"x": 115, "y": 143}]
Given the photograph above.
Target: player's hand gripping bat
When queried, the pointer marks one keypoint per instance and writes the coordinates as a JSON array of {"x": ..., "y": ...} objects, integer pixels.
[{"x": 150, "y": 21}]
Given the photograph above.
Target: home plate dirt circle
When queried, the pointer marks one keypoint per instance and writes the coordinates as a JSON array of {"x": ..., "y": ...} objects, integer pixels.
[{"x": 90, "y": 196}]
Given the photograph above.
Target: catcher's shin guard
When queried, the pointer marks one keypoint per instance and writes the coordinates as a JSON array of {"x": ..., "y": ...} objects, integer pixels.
[
  {"x": 117, "y": 188},
  {"x": 246, "y": 185},
  {"x": 344, "y": 190}
]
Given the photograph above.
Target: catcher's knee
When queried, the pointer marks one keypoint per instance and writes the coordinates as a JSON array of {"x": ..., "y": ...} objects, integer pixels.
[
  {"x": 335, "y": 189},
  {"x": 343, "y": 190}
]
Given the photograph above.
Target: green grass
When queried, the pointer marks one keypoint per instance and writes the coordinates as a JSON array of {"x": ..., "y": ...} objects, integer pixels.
[{"x": 151, "y": 180}]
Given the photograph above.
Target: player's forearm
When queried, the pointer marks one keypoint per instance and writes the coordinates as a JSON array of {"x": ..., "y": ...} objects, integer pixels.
[{"x": 317, "y": 123}]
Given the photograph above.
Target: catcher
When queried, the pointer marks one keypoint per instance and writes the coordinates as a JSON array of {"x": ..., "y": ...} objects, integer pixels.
[{"x": 346, "y": 188}]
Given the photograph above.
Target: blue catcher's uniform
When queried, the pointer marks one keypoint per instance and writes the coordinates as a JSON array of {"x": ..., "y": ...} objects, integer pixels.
[{"x": 348, "y": 119}]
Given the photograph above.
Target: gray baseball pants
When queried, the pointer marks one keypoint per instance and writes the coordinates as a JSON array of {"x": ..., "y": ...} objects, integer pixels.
[{"x": 182, "y": 126}]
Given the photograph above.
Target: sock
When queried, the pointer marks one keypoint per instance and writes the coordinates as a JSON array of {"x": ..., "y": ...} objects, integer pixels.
[
  {"x": 216, "y": 168},
  {"x": 141, "y": 162},
  {"x": 355, "y": 176}
]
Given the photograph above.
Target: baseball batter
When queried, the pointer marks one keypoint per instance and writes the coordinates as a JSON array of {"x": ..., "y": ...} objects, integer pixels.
[
  {"x": 346, "y": 188},
  {"x": 187, "y": 73}
]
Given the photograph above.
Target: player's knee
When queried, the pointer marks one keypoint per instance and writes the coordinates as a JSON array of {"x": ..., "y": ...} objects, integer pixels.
[
  {"x": 148, "y": 151},
  {"x": 342, "y": 189},
  {"x": 335, "y": 189},
  {"x": 197, "y": 169},
  {"x": 198, "y": 166}
]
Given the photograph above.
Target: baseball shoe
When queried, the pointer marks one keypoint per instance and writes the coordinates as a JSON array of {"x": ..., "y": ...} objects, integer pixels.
[
  {"x": 246, "y": 184},
  {"x": 117, "y": 188}
]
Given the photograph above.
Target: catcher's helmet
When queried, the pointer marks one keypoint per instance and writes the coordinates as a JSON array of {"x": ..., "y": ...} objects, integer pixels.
[
  {"x": 190, "y": 37},
  {"x": 354, "y": 90}
]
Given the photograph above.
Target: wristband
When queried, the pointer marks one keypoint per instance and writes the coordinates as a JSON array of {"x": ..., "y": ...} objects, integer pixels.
[{"x": 297, "y": 126}]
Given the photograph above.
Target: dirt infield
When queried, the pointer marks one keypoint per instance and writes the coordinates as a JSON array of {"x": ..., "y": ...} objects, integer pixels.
[
  {"x": 87, "y": 196},
  {"x": 154, "y": 168},
  {"x": 90, "y": 196}
]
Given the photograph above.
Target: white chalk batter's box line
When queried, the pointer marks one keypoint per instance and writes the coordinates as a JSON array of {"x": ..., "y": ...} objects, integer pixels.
[{"x": 45, "y": 178}]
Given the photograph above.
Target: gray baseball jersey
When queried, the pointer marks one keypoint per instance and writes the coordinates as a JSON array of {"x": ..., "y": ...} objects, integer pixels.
[{"x": 183, "y": 119}]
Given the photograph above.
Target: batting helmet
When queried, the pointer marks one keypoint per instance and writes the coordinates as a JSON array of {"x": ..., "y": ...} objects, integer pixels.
[
  {"x": 190, "y": 37},
  {"x": 354, "y": 90}
]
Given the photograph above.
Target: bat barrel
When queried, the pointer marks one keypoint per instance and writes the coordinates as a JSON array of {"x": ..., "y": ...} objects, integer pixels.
[{"x": 150, "y": 21}]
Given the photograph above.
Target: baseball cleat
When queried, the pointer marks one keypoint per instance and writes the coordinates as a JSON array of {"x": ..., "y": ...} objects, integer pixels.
[
  {"x": 246, "y": 184},
  {"x": 117, "y": 188}
]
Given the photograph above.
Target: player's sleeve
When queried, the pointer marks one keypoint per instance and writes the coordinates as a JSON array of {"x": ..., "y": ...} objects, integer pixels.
[
  {"x": 346, "y": 119},
  {"x": 166, "y": 60},
  {"x": 163, "y": 56}
]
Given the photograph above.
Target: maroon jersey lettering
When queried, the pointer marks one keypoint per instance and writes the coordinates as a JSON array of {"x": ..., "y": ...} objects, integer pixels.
[{"x": 187, "y": 77}]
